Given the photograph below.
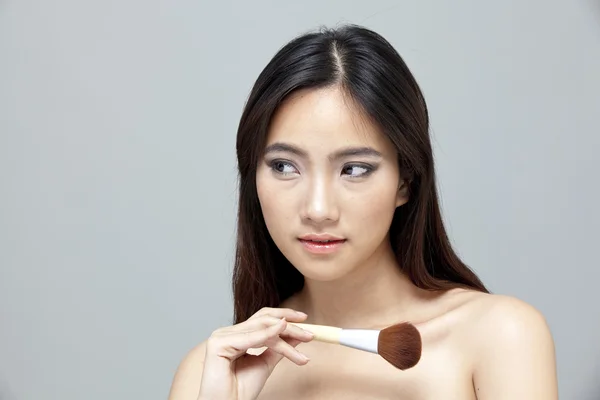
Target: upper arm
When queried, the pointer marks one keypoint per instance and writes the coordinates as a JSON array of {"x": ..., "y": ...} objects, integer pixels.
[
  {"x": 187, "y": 379},
  {"x": 516, "y": 355}
]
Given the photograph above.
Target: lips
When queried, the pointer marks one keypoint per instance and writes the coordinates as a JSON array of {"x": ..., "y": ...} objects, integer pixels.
[
  {"x": 321, "y": 244},
  {"x": 321, "y": 237}
]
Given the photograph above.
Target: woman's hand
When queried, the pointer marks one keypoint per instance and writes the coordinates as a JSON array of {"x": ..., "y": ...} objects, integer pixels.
[{"x": 230, "y": 373}]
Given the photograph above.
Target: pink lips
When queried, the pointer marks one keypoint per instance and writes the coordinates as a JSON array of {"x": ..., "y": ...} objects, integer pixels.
[{"x": 321, "y": 244}]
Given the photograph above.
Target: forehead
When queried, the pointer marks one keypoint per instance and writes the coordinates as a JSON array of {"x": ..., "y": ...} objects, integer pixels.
[{"x": 318, "y": 119}]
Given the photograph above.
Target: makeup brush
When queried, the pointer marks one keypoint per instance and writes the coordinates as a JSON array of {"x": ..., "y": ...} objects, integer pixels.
[{"x": 399, "y": 344}]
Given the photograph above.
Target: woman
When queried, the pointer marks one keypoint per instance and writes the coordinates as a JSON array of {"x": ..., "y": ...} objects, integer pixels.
[{"x": 339, "y": 224}]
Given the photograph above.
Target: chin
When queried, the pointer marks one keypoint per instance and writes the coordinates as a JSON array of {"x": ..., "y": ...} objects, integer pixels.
[
  {"x": 322, "y": 276},
  {"x": 321, "y": 270}
]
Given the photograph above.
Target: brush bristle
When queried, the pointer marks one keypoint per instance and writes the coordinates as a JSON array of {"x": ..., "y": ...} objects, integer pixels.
[{"x": 400, "y": 345}]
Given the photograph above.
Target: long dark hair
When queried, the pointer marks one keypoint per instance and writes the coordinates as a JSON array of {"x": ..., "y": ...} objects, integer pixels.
[{"x": 373, "y": 74}]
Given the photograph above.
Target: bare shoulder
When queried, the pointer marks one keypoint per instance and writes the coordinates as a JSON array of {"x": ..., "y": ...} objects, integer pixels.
[
  {"x": 186, "y": 382},
  {"x": 505, "y": 318},
  {"x": 495, "y": 319},
  {"x": 511, "y": 342}
]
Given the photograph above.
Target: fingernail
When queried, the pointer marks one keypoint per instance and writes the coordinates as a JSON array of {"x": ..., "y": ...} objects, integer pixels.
[
  {"x": 304, "y": 358},
  {"x": 301, "y": 314}
]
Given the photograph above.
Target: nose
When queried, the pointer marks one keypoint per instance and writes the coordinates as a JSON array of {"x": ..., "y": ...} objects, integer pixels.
[{"x": 320, "y": 204}]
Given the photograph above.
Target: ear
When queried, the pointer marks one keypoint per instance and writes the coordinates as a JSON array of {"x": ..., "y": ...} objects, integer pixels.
[{"x": 403, "y": 193}]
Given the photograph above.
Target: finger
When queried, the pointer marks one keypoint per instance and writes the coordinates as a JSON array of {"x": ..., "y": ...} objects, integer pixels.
[
  {"x": 235, "y": 344},
  {"x": 291, "y": 330},
  {"x": 295, "y": 332},
  {"x": 287, "y": 313},
  {"x": 292, "y": 342},
  {"x": 284, "y": 348},
  {"x": 261, "y": 322},
  {"x": 242, "y": 341}
]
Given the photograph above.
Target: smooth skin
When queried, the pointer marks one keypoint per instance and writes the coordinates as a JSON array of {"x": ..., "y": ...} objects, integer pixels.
[{"x": 475, "y": 345}]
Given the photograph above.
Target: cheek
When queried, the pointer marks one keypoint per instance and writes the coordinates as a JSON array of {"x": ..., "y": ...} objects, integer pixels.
[
  {"x": 373, "y": 213},
  {"x": 277, "y": 210}
]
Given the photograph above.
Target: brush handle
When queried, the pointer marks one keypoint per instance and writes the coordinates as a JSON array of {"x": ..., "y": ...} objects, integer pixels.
[
  {"x": 323, "y": 333},
  {"x": 361, "y": 339}
]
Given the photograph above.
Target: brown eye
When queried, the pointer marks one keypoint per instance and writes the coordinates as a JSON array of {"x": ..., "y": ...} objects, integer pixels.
[
  {"x": 282, "y": 167},
  {"x": 357, "y": 170}
]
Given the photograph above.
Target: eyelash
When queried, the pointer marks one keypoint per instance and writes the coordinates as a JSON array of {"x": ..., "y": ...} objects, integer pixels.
[{"x": 368, "y": 168}]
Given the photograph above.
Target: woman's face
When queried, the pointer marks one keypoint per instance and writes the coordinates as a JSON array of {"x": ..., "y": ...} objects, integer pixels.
[{"x": 327, "y": 174}]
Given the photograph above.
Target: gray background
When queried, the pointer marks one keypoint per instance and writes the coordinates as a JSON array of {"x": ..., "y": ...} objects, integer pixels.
[{"x": 118, "y": 184}]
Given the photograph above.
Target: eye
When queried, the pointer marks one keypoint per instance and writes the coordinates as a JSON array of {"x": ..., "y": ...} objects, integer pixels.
[
  {"x": 282, "y": 167},
  {"x": 357, "y": 170}
]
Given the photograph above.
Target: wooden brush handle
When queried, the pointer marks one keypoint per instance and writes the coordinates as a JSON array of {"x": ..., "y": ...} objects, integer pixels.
[{"x": 323, "y": 333}]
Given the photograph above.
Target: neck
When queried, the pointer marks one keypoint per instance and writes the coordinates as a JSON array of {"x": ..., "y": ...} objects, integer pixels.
[{"x": 374, "y": 295}]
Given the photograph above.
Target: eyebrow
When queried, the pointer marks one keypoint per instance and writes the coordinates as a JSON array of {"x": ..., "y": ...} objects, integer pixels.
[{"x": 342, "y": 153}]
